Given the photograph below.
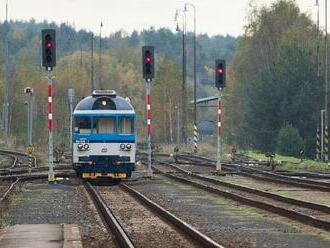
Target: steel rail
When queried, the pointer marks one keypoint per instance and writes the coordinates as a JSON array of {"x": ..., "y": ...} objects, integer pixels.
[
  {"x": 9, "y": 190},
  {"x": 111, "y": 221},
  {"x": 194, "y": 234},
  {"x": 300, "y": 203},
  {"x": 268, "y": 176},
  {"x": 35, "y": 176},
  {"x": 24, "y": 154},
  {"x": 294, "y": 215}
]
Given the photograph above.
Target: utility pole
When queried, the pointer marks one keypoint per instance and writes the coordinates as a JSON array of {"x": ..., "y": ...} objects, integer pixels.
[
  {"x": 92, "y": 63},
  {"x": 326, "y": 151},
  {"x": 5, "y": 111},
  {"x": 184, "y": 66},
  {"x": 100, "y": 57},
  {"x": 178, "y": 125},
  {"x": 318, "y": 74},
  {"x": 195, "y": 132}
]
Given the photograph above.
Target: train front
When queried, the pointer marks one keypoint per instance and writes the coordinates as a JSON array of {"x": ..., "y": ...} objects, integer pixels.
[{"x": 103, "y": 139}]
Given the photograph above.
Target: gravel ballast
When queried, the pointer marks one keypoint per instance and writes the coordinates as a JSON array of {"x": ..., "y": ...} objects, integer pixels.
[
  {"x": 63, "y": 202},
  {"x": 227, "y": 222}
]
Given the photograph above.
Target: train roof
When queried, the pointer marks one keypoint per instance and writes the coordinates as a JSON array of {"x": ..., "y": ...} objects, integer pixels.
[{"x": 104, "y": 102}]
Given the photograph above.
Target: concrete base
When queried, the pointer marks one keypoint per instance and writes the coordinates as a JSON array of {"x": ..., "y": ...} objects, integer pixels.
[{"x": 41, "y": 236}]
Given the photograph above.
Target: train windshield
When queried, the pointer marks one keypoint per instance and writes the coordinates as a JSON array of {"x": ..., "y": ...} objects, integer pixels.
[
  {"x": 82, "y": 125},
  {"x": 104, "y": 125},
  {"x": 126, "y": 125}
]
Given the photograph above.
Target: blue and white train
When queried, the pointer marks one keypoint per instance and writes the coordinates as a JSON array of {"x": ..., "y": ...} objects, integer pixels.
[{"x": 103, "y": 136}]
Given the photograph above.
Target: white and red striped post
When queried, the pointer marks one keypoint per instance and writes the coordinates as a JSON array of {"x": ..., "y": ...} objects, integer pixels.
[
  {"x": 148, "y": 118},
  {"x": 219, "y": 109},
  {"x": 51, "y": 176}
]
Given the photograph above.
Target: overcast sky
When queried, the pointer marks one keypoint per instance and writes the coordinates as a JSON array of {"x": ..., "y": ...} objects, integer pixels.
[{"x": 213, "y": 16}]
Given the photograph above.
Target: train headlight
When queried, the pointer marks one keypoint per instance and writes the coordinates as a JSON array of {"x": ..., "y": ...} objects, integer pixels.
[
  {"x": 122, "y": 146},
  {"x": 86, "y": 146},
  {"x": 128, "y": 146},
  {"x": 80, "y": 146}
]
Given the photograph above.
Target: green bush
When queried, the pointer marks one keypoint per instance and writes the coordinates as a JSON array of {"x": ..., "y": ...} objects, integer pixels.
[{"x": 288, "y": 141}]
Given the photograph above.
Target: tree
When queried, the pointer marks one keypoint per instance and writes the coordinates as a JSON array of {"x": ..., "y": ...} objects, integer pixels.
[{"x": 274, "y": 77}]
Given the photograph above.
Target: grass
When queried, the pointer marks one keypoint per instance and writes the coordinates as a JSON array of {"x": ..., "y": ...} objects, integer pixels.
[{"x": 291, "y": 163}]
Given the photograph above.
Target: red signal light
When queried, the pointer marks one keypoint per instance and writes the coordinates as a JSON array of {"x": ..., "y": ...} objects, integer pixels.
[
  {"x": 220, "y": 71},
  {"x": 148, "y": 59},
  {"x": 49, "y": 45}
]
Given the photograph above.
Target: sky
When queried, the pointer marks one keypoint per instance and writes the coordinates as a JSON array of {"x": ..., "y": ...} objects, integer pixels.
[{"x": 212, "y": 16}]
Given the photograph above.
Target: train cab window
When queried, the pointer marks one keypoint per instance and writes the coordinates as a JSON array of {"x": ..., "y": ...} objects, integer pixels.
[
  {"x": 105, "y": 125},
  {"x": 126, "y": 125},
  {"x": 82, "y": 125}
]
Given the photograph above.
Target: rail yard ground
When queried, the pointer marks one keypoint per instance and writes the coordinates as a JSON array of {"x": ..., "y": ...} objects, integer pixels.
[
  {"x": 226, "y": 222},
  {"x": 37, "y": 202}
]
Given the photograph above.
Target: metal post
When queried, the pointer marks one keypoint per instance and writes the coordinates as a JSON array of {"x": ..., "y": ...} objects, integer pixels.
[
  {"x": 92, "y": 63},
  {"x": 178, "y": 126},
  {"x": 148, "y": 117},
  {"x": 51, "y": 176},
  {"x": 195, "y": 88},
  {"x": 322, "y": 133},
  {"x": 326, "y": 143},
  {"x": 71, "y": 95},
  {"x": 318, "y": 145},
  {"x": 26, "y": 103},
  {"x": 5, "y": 111},
  {"x": 184, "y": 69},
  {"x": 318, "y": 40},
  {"x": 100, "y": 57},
  {"x": 218, "y": 167},
  {"x": 30, "y": 118},
  {"x": 195, "y": 81},
  {"x": 326, "y": 78},
  {"x": 184, "y": 84}
]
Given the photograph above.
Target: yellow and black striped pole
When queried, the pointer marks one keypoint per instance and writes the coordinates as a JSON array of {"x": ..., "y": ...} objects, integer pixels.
[
  {"x": 30, "y": 161},
  {"x": 326, "y": 143},
  {"x": 318, "y": 144},
  {"x": 195, "y": 138}
]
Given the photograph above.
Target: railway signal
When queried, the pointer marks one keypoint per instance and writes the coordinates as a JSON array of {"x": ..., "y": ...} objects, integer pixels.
[
  {"x": 220, "y": 83},
  {"x": 148, "y": 70},
  {"x": 48, "y": 48},
  {"x": 220, "y": 73},
  {"x": 48, "y": 37},
  {"x": 148, "y": 63}
]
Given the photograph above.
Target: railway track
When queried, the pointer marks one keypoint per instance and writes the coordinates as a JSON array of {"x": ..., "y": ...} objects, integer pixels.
[
  {"x": 7, "y": 190},
  {"x": 309, "y": 213},
  {"x": 260, "y": 174},
  {"x": 18, "y": 162},
  {"x": 148, "y": 227}
]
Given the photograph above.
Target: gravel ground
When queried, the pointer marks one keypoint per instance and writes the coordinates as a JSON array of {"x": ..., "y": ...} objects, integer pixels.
[
  {"x": 5, "y": 161},
  {"x": 144, "y": 227},
  {"x": 280, "y": 189},
  {"x": 64, "y": 202},
  {"x": 276, "y": 188},
  {"x": 4, "y": 186},
  {"x": 228, "y": 222}
]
